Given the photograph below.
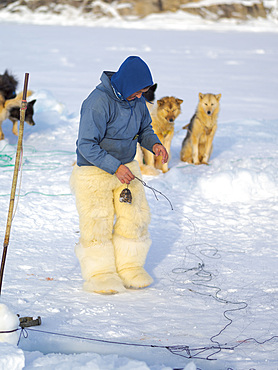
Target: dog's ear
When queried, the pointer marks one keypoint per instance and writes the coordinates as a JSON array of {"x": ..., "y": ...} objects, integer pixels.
[
  {"x": 11, "y": 78},
  {"x": 153, "y": 87},
  {"x": 218, "y": 96},
  {"x": 179, "y": 101},
  {"x": 201, "y": 96},
  {"x": 160, "y": 102},
  {"x": 32, "y": 102}
]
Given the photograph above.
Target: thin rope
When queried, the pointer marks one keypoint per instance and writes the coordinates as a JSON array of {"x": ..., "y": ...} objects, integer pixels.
[
  {"x": 180, "y": 350},
  {"x": 155, "y": 191},
  {"x": 40, "y": 193},
  {"x": 9, "y": 331}
]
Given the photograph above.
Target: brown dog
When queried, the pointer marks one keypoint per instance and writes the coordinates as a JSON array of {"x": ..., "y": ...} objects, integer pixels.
[
  {"x": 197, "y": 145},
  {"x": 5, "y": 110},
  {"x": 163, "y": 114}
]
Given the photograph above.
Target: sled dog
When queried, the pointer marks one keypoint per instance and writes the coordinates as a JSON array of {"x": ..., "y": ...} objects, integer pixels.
[
  {"x": 10, "y": 109},
  {"x": 14, "y": 116},
  {"x": 197, "y": 145},
  {"x": 150, "y": 94},
  {"x": 163, "y": 113}
]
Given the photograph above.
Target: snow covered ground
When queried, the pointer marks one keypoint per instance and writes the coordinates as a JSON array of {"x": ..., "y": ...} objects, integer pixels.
[{"x": 214, "y": 257}]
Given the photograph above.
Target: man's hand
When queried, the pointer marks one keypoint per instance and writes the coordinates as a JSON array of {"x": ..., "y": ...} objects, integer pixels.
[
  {"x": 158, "y": 150},
  {"x": 124, "y": 174}
]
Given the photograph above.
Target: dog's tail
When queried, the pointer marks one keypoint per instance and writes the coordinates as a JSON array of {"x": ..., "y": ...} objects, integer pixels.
[{"x": 16, "y": 102}]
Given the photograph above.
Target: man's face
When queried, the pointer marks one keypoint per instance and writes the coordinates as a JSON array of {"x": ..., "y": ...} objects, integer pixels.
[{"x": 137, "y": 94}]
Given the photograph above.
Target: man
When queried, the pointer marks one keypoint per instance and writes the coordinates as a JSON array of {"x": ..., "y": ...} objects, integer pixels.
[{"x": 113, "y": 119}]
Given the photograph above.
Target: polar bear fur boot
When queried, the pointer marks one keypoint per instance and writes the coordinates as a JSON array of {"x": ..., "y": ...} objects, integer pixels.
[
  {"x": 130, "y": 258},
  {"x": 131, "y": 237},
  {"x": 98, "y": 269}
]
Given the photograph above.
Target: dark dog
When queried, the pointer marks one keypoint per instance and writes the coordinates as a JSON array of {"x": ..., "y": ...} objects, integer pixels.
[
  {"x": 150, "y": 94},
  {"x": 14, "y": 115},
  {"x": 8, "y": 85}
]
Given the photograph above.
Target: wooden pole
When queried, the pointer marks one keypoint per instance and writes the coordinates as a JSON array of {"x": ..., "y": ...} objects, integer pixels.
[{"x": 15, "y": 176}]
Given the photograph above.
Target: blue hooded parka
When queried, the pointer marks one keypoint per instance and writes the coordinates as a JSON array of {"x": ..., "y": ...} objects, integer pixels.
[{"x": 110, "y": 125}]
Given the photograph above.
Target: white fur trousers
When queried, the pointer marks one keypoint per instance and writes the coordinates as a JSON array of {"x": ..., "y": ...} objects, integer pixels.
[{"x": 111, "y": 250}]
